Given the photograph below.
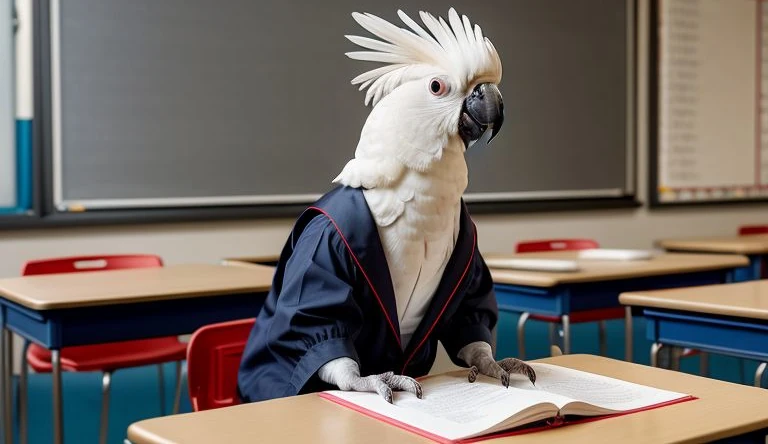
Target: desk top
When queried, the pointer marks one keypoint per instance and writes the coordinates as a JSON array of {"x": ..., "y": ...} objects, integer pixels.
[
  {"x": 92, "y": 288},
  {"x": 743, "y": 299},
  {"x": 251, "y": 260},
  {"x": 309, "y": 418},
  {"x": 752, "y": 244},
  {"x": 602, "y": 270}
]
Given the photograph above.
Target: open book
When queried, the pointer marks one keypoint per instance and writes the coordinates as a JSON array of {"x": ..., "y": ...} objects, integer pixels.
[{"x": 454, "y": 410}]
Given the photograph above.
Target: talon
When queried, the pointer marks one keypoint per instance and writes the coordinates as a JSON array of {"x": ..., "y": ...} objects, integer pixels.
[
  {"x": 472, "y": 376},
  {"x": 505, "y": 379},
  {"x": 531, "y": 375}
]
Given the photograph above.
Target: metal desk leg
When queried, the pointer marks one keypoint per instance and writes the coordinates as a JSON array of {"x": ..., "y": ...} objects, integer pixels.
[
  {"x": 521, "y": 335},
  {"x": 759, "y": 374},
  {"x": 7, "y": 386},
  {"x": 23, "y": 394},
  {"x": 628, "y": 334},
  {"x": 58, "y": 413},
  {"x": 566, "y": 320},
  {"x": 655, "y": 354}
]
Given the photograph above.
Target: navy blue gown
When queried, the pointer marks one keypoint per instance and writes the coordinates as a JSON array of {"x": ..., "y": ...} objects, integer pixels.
[{"x": 332, "y": 297}]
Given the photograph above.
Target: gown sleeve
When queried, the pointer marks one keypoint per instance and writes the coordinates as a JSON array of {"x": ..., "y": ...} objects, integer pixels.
[{"x": 310, "y": 320}]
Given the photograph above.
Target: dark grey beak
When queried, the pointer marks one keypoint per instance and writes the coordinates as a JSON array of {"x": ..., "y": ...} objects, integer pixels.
[{"x": 483, "y": 109}]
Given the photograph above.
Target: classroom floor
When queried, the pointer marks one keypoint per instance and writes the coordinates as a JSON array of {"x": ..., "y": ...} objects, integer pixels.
[{"x": 135, "y": 391}]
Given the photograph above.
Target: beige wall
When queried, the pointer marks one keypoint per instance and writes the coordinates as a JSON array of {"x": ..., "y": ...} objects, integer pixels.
[
  {"x": 209, "y": 242},
  {"x": 635, "y": 228}
]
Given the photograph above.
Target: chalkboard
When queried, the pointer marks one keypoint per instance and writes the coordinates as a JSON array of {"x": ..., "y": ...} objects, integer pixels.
[{"x": 186, "y": 103}]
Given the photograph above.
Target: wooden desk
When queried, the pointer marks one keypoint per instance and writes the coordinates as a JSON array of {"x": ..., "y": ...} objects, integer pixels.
[
  {"x": 64, "y": 310},
  {"x": 730, "y": 319},
  {"x": 600, "y": 270},
  {"x": 96, "y": 288},
  {"x": 597, "y": 284},
  {"x": 264, "y": 259},
  {"x": 754, "y": 246},
  {"x": 309, "y": 418}
]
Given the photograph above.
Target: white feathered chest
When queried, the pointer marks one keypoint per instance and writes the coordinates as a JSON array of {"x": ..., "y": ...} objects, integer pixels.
[{"x": 420, "y": 241}]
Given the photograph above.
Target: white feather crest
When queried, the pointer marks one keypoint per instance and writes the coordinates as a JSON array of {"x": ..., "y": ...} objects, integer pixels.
[{"x": 458, "y": 49}]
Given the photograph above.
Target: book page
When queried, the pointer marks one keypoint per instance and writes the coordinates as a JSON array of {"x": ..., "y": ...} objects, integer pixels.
[
  {"x": 454, "y": 408},
  {"x": 608, "y": 394}
]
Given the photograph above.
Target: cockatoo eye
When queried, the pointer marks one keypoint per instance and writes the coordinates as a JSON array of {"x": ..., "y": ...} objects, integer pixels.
[{"x": 438, "y": 87}]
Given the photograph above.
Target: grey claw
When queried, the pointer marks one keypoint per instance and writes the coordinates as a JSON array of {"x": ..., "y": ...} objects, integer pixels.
[
  {"x": 505, "y": 379},
  {"x": 402, "y": 382},
  {"x": 513, "y": 365},
  {"x": 386, "y": 393},
  {"x": 472, "y": 376}
]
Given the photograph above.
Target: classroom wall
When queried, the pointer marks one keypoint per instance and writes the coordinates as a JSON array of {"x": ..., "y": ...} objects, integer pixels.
[{"x": 211, "y": 241}]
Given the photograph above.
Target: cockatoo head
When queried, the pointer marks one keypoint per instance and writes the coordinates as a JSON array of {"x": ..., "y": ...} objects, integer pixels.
[{"x": 437, "y": 89}]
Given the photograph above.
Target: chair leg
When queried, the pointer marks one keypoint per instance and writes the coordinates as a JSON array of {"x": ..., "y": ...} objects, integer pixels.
[
  {"x": 521, "y": 335},
  {"x": 58, "y": 403},
  {"x": 676, "y": 353},
  {"x": 554, "y": 337},
  {"x": 22, "y": 400},
  {"x": 106, "y": 382},
  {"x": 177, "y": 395},
  {"x": 703, "y": 363},
  {"x": 601, "y": 332},
  {"x": 161, "y": 387},
  {"x": 628, "y": 334},
  {"x": 759, "y": 374},
  {"x": 566, "y": 322}
]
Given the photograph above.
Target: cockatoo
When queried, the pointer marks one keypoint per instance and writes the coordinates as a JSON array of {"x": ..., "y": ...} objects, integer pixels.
[{"x": 436, "y": 95}]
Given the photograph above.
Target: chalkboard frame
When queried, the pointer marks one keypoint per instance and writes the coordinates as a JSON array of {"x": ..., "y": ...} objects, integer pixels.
[{"x": 45, "y": 215}]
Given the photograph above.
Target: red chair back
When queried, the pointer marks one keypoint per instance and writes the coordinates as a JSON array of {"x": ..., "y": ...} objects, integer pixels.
[
  {"x": 77, "y": 264},
  {"x": 213, "y": 360},
  {"x": 556, "y": 245},
  {"x": 746, "y": 230}
]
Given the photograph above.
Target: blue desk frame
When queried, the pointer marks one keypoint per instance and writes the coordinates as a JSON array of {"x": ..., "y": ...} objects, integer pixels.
[
  {"x": 727, "y": 335},
  {"x": 754, "y": 270},
  {"x": 55, "y": 329},
  {"x": 563, "y": 299}
]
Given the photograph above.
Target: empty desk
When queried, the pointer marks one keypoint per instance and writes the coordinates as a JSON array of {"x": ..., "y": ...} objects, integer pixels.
[
  {"x": 753, "y": 246},
  {"x": 62, "y": 310},
  {"x": 598, "y": 283},
  {"x": 730, "y": 319}
]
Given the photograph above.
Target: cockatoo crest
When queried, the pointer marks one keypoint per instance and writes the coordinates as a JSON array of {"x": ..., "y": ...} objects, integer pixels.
[{"x": 457, "y": 49}]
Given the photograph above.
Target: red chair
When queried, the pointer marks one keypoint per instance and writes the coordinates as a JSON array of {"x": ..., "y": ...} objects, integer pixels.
[
  {"x": 747, "y": 230},
  {"x": 101, "y": 357},
  {"x": 213, "y": 360},
  {"x": 600, "y": 315}
]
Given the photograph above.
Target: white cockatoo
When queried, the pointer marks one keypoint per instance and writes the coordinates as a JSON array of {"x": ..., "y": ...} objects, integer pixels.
[{"x": 435, "y": 96}]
